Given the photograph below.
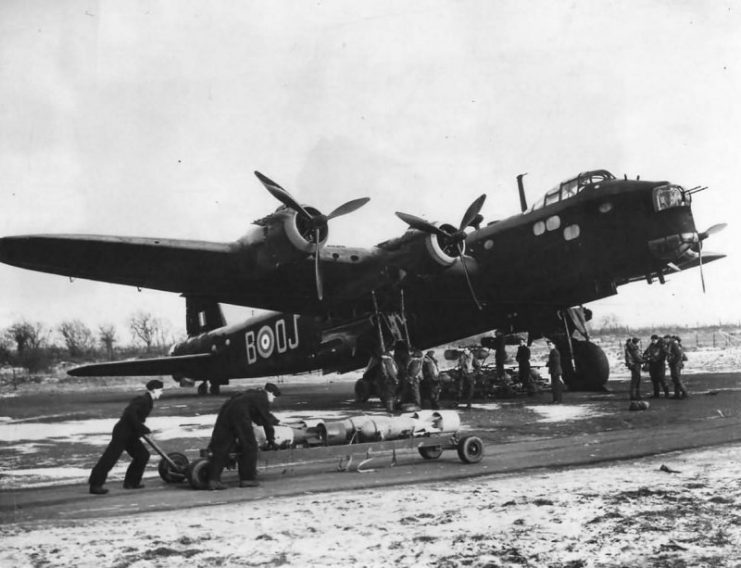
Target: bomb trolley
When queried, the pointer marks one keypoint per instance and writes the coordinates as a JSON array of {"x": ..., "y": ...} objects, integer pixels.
[{"x": 359, "y": 457}]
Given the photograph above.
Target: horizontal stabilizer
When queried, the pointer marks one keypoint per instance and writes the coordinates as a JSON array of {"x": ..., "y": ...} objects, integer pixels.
[{"x": 189, "y": 365}]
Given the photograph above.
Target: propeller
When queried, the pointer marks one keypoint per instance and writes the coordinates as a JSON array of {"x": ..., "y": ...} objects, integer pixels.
[
  {"x": 315, "y": 223},
  {"x": 452, "y": 241},
  {"x": 702, "y": 236}
]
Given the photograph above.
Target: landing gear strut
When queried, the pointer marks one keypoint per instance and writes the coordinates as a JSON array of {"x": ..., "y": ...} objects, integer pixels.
[{"x": 214, "y": 388}]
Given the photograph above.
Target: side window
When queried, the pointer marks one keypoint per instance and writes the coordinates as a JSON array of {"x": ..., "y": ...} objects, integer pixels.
[
  {"x": 571, "y": 232},
  {"x": 539, "y": 228},
  {"x": 553, "y": 223}
]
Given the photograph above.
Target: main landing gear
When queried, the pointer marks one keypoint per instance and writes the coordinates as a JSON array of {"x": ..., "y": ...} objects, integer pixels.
[{"x": 213, "y": 387}]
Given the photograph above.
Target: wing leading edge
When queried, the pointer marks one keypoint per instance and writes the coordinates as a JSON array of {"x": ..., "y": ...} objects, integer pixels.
[{"x": 190, "y": 365}]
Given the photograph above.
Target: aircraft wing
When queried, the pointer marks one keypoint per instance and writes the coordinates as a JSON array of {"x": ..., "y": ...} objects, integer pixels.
[{"x": 184, "y": 364}]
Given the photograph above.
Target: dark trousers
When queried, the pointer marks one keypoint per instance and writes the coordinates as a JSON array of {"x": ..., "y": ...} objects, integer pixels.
[
  {"x": 635, "y": 382},
  {"x": 466, "y": 386},
  {"x": 224, "y": 440},
  {"x": 122, "y": 440},
  {"x": 676, "y": 373},
  {"x": 557, "y": 388},
  {"x": 430, "y": 390},
  {"x": 658, "y": 378}
]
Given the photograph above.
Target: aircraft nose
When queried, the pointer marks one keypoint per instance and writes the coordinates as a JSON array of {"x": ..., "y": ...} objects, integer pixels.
[{"x": 672, "y": 247}]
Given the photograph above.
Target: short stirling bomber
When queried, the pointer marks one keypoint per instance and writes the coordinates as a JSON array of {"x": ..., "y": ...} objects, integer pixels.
[{"x": 333, "y": 307}]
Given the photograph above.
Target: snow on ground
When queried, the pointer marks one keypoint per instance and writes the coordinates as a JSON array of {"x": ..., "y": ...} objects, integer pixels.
[{"x": 631, "y": 514}]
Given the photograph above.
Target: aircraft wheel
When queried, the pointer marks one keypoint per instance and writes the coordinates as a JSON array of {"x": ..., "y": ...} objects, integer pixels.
[
  {"x": 215, "y": 388},
  {"x": 362, "y": 390},
  {"x": 170, "y": 475},
  {"x": 430, "y": 452},
  {"x": 470, "y": 449},
  {"x": 203, "y": 388},
  {"x": 198, "y": 474}
]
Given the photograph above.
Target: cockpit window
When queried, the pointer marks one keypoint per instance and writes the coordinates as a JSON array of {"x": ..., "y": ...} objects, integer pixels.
[
  {"x": 572, "y": 187},
  {"x": 669, "y": 196}
]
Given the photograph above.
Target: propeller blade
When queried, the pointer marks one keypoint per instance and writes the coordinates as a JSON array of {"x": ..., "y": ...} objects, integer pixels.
[
  {"x": 468, "y": 277},
  {"x": 282, "y": 195},
  {"x": 317, "y": 272},
  {"x": 712, "y": 230},
  {"x": 473, "y": 210},
  {"x": 421, "y": 225},
  {"x": 348, "y": 207},
  {"x": 702, "y": 276}
]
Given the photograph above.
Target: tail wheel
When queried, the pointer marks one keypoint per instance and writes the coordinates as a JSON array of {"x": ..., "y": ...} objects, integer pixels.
[
  {"x": 170, "y": 474},
  {"x": 198, "y": 474},
  {"x": 430, "y": 452},
  {"x": 470, "y": 449}
]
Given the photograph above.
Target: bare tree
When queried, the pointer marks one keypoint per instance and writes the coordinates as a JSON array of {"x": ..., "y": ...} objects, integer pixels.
[
  {"x": 107, "y": 337},
  {"x": 77, "y": 337},
  {"x": 29, "y": 339},
  {"x": 27, "y": 336},
  {"x": 144, "y": 327}
]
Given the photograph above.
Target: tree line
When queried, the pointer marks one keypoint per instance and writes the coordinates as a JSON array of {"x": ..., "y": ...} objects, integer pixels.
[{"x": 37, "y": 347}]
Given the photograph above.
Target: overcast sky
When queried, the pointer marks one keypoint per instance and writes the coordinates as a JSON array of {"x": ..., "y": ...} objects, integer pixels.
[{"x": 148, "y": 118}]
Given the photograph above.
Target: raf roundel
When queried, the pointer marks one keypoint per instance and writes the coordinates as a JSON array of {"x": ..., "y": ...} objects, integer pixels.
[{"x": 265, "y": 342}]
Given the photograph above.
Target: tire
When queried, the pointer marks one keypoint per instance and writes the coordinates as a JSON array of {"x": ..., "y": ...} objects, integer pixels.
[
  {"x": 470, "y": 449},
  {"x": 430, "y": 452},
  {"x": 170, "y": 475},
  {"x": 198, "y": 474}
]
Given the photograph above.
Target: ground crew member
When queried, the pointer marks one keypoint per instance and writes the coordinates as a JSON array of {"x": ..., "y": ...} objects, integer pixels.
[
  {"x": 655, "y": 356},
  {"x": 466, "y": 384},
  {"x": 555, "y": 370},
  {"x": 414, "y": 378},
  {"x": 431, "y": 380},
  {"x": 234, "y": 423},
  {"x": 633, "y": 361},
  {"x": 126, "y": 434},
  {"x": 390, "y": 377},
  {"x": 500, "y": 354},
  {"x": 401, "y": 357},
  {"x": 523, "y": 361},
  {"x": 675, "y": 357}
]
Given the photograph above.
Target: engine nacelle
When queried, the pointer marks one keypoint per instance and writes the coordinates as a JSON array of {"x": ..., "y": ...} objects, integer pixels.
[
  {"x": 424, "y": 253},
  {"x": 283, "y": 237}
]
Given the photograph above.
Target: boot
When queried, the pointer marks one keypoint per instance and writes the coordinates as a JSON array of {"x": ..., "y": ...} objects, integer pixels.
[
  {"x": 98, "y": 490},
  {"x": 249, "y": 483},
  {"x": 215, "y": 485}
]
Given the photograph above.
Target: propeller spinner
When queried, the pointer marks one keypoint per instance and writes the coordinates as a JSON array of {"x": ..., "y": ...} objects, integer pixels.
[
  {"x": 452, "y": 241},
  {"x": 315, "y": 223}
]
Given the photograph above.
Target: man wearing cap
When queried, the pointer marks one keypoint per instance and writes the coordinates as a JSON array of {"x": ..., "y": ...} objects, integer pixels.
[
  {"x": 126, "y": 434},
  {"x": 234, "y": 423},
  {"x": 655, "y": 355},
  {"x": 634, "y": 360},
  {"x": 555, "y": 370}
]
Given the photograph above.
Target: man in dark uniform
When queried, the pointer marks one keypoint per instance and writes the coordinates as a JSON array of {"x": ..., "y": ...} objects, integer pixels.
[
  {"x": 523, "y": 360},
  {"x": 655, "y": 357},
  {"x": 554, "y": 368},
  {"x": 676, "y": 358},
  {"x": 234, "y": 422},
  {"x": 633, "y": 361},
  {"x": 414, "y": 378},
  {"x": 500, "y": 354},
  {"x": 431, "y": 380},
  {"x": 467, "y": 384},
  {"x": 126, "y": 434}
]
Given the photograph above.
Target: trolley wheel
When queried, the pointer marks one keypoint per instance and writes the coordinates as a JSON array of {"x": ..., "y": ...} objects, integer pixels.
[
  {"x": 430, "y": 452},
  {"x": 198, "y": 474},
  {"x": 470, "y": 449},
  {"x": 168, "y": 473}
]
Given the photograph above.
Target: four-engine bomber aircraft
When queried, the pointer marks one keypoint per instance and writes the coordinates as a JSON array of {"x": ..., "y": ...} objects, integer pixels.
[{"x": 333, "y": 307}]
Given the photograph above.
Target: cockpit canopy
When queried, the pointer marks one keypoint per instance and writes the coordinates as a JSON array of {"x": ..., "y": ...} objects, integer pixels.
[{"x": 572, "y": 187}]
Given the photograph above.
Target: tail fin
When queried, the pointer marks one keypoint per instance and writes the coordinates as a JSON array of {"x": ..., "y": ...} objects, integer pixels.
[{"x": 202, "y": 314}]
